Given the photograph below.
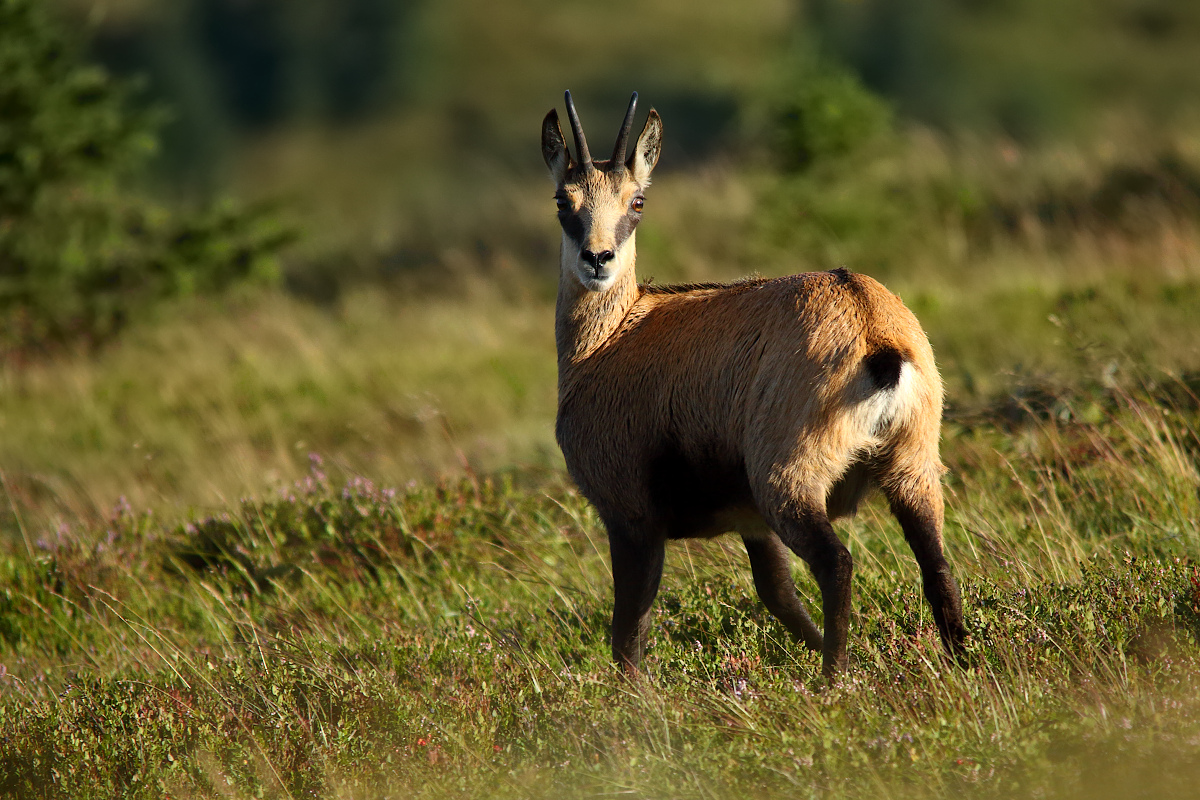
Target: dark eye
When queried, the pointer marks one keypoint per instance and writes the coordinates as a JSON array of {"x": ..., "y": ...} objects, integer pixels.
[
  {"x": 564, "y": 204},
  {"x": 637, "y": 204}
]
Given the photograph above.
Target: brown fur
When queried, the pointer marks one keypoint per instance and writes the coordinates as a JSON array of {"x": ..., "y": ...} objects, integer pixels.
[{"x": 762, "y": 406}]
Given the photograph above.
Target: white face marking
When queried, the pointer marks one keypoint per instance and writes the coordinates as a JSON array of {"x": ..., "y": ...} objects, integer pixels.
[
  {"x": 600, "y": 284},
  {"x": 589, "y": 278},
  {"x": 604, "y": 208}
]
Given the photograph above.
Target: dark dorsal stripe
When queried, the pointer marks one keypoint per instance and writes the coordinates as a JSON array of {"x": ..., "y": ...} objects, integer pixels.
[{"x": 683, "y": 288}]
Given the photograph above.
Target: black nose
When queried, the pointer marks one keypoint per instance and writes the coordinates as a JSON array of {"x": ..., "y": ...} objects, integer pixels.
[{"x": 597, "y": 260}]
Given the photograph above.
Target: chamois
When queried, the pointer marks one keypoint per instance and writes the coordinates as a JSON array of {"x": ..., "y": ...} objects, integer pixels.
[{"x": 765, "y": 407}]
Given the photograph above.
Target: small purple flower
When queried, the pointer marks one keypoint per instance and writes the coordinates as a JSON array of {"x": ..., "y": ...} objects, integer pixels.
[
  {"x": 121, "y": 509},
  {"x": 315, "y": 462}
]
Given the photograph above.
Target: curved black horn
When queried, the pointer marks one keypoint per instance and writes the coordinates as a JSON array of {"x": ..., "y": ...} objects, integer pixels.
[
  {"x": 585, "y": 158},
  {"x": 618, "y": 158}
]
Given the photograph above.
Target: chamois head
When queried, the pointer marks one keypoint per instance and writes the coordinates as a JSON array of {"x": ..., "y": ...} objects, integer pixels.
[{"x": 599, "y": 202}]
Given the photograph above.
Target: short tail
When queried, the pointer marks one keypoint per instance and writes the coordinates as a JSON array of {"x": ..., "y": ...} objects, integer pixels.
[{"x": 884, "y": 367}]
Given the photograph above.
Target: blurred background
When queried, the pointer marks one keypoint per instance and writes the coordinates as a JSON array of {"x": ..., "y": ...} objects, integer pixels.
[{"x": 234, "y": 233}]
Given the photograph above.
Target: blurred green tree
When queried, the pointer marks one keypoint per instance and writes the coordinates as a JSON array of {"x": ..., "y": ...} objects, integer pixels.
[
  {"x": 821, "y": 112},
  {"x": 80, "y": 254},
  {"x": 60, "y": 119},
  {"x": 234, "y": 67}
]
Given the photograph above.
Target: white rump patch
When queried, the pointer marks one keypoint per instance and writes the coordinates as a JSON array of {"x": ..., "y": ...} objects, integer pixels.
[{"x": 879, "y": 408}]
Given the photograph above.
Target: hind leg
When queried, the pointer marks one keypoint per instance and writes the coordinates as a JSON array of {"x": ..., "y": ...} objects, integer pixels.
[
  {"x": 773, "y": 580},
  {"x": 804, "y": 527},
  {"x": 915, "y": 496}
]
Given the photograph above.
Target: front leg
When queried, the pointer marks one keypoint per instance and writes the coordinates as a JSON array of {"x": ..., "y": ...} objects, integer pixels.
[{"x": 637, "y": 567}]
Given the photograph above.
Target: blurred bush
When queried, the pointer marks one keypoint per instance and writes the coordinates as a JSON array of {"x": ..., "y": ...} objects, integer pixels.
[
  {"x": 1026, "y": 68},
  {"x": 80, "y": 254},
  {"x": 403, "y": 132},
  {"x": 823, "y": 112},
  {"x": 234, "y": 68}
]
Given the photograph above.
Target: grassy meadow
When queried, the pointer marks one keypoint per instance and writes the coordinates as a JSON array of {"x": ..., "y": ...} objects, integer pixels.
[
  {"x": 265, "y": 549},
  {"x": 317, "y": 540}
]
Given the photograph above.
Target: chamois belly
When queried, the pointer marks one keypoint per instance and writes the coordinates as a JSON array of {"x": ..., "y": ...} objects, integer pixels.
[{"x": 700, "y": 494}]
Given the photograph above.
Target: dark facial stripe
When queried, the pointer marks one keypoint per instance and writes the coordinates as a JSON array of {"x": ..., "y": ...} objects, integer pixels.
[
  {"x": 625, "y": 226},
  {"x": 573, "y": 225}
]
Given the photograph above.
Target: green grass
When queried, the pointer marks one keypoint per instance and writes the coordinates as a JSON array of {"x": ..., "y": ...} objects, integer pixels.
[
  {"x": 204, "y": 590},
  {"x": 222, "y": 402},
  {"x": 450, "y": 640},
  {"x": 453, "y": 364},
  {"x": 208, "y": 587}
]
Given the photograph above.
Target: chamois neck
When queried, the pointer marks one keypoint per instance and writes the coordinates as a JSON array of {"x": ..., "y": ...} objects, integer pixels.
[{"x": 585, "y": 320}]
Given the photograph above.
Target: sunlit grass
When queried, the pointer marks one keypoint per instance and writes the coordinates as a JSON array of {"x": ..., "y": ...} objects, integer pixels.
[
  {"x": 225, "y": 401},
  {"x": 346, "y": 561},
  {"x": 450, "y": 640}
]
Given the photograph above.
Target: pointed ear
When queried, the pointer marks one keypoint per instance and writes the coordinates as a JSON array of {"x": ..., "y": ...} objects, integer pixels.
[
  {"x": 554, "y": 147},
  {"x": 649, "y": 145}
]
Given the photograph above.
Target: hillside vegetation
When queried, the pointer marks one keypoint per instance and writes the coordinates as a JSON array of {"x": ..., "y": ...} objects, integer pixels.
[
  {"x": 447, "y": 637},
  {"x": 310, "y": 535},
  {"x": 449, "y": 640}
]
